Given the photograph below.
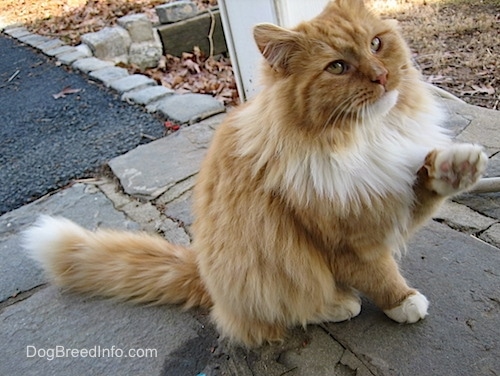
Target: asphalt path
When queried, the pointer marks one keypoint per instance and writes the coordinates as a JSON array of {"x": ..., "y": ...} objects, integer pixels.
[{"x": 45, "y": 143}]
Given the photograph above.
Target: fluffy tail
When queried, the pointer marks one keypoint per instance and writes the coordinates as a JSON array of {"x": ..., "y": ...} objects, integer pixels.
[{"x": 129, "y": 266}]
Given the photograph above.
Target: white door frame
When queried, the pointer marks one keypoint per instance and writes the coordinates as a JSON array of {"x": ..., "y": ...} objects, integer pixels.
[{"x": 238, "y": 19}]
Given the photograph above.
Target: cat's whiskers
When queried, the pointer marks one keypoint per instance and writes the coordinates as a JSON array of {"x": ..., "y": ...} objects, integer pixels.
[
  {"x": 361, "y": 111},
  {"x": 340, "y": 110},
  {"x": 350, "y": 113}
]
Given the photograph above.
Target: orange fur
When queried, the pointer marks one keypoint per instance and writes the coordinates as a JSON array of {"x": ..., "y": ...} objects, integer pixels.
[{"x": 305, "y": 197}]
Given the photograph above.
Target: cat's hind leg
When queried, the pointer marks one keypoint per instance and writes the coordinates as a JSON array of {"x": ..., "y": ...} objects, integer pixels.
[
  {"x": 345, "y": 305},
  {"x": 246, "y": 329}
]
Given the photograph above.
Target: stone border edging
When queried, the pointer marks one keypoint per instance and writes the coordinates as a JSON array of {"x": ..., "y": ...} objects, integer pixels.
[{"x": 135, "y": 89}]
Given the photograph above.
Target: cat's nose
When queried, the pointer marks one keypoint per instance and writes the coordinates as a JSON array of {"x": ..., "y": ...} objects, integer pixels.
[{"x": 381, "y": 79}]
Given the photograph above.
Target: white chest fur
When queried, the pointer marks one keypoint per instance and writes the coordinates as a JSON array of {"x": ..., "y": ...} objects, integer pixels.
[{"x": 384, "y": 160}]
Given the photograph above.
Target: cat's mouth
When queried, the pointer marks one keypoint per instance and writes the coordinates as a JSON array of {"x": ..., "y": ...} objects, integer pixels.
[{"x": 385, "y": 103}]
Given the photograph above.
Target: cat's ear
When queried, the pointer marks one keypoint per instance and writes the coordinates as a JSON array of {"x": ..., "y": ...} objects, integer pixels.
[
  {"x": 347, "y": 4},
  {"x": 350, "y": 3},
  {"x": 277, "y": 44},
  {"x": 392, "y": 23}
]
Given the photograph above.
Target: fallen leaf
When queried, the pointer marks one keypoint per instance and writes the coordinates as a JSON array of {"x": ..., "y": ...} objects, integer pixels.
[
  {"x": 171, "y": 126},
  {"x": 67, "y": 90},
  {"x": 484, "y": 89},
  {"x": 192, "y": 66},
  {"x": 479, "y": 89}
]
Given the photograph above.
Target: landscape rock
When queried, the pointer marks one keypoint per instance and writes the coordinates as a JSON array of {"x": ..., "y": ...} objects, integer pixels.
[
  {"x": 110, "y": 43},
  {"x": 145, "y": 54},
  {"x": 176, "y": 11},
  {"x": 139, "y": 27}
]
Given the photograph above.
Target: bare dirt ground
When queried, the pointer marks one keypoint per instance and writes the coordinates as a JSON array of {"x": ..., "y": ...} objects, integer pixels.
[{"x": 456, "y": 43}]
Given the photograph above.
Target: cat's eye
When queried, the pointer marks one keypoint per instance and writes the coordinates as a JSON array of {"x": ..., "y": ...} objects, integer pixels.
[
  {"x": 375, "y": 44},
  {"x": 337, "y": 67}
]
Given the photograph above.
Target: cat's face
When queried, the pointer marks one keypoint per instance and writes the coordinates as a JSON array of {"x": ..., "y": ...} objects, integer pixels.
[{"x": 346, "y": 65}]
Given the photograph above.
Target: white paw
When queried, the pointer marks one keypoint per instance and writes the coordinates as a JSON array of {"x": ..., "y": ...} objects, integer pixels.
[
  {"x": 339, "y": 311},
  {"x": 412, "y": 309},
  {"x": 456, "y": 168},
  {"x": 350, "y": 308}
]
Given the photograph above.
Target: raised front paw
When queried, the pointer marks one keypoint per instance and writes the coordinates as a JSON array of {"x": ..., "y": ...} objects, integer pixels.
[
  {"x": 455, "y": 169},
  {"x": 412, "y": 309}
]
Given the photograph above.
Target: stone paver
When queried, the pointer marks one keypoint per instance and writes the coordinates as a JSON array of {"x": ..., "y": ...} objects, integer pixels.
[
  {"x": 463, "y": 218},
  {"x": 70, "y": 57},
  {"x": 180, "y": 209},
  {"x": 48, "y": 327},
  {"x": 131, "y": 82},
  {"x": 108, "y": 75},
  {"x": 59, "y": 50},
  {"x": 33, "y": 39},
  {"x": 491, "y": 235},
  {"x": 83, "y": 204},
  {"x": 142, "y": 170},
  {"x": 90, "y": 64},
  {"x": 304, "y": 362},
  {"x": 17, "y": 32},
  {"x": 187, "y": 108},
  {"x": 459, "y": 275},
  {"x": 147, "y": 95},
  {"x": 483, "y": 127},
  {"x": 50, "y": 45}
]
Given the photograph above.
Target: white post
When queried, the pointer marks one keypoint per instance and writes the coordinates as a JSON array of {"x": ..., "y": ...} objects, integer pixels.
[{"x": 238, "y": 20}]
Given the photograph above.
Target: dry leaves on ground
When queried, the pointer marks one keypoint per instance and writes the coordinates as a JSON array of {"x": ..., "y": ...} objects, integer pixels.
[
  {"x": 456, "y": 43},
  {"x": 196, "y": 73}
]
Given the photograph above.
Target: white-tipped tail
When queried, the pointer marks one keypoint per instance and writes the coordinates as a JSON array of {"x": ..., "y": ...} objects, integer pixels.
[
  {"x": 47, "y": 236},
  {"x": 125, "y": 265}
]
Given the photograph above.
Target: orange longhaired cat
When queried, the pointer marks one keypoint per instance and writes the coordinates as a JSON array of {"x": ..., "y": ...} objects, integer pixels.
[{"x": 305, "y": 198}]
